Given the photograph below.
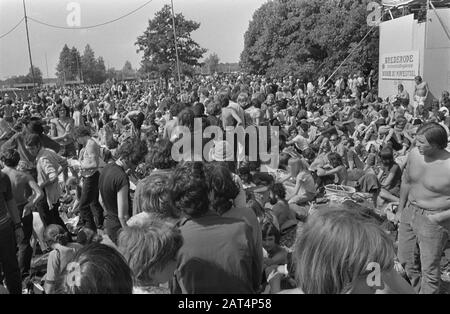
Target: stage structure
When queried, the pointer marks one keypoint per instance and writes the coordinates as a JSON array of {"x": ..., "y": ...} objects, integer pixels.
[{"x": 409, "y": 48}]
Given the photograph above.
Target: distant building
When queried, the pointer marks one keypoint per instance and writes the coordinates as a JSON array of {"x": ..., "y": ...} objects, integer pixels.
[{"x": 49, "y": 82}]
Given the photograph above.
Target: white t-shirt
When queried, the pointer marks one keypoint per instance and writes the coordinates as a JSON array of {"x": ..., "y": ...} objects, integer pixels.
[{"x": 301, "y": 142}]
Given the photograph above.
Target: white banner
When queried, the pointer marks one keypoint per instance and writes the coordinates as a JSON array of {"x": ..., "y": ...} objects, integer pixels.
[
  {"x": 395, "y": 3},
  {"x": 400, "y": 66}
]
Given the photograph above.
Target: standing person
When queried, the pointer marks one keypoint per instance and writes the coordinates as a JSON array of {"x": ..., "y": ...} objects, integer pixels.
[
  {"x": 22, "y": 184},
  {"x": 63, "y": 125},
  {"x": 10, "y": 233},
  {"x": 424, "y": 208},
  {"x": 114, "y": 186},
  {"x": 91, "y": 212},
  {"x": 420, "y": 93},
  {"x": 48, "y": 165}
]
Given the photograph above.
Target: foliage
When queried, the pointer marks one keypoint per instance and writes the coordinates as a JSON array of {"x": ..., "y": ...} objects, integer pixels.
[
  {"x": 158, "y": 45},
  {"x": 94, "y": 70},
  {"x": 309, "y": 38},
  {"x": 21, "y": 79},
  {"x": 212, "y": 63}
]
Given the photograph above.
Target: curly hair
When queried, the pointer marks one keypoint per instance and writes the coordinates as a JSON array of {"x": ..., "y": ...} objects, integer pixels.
[
  {"x": 160, "y": 156},
  {"x": 222, "y": 186},
  {"x": 335, "y": 159},
  {"x": 186, "y": 118},
  {"x": 10, "y": 157},
  {"x": 81, "y": 131},
  {"x": 187, "y": 189},
  {"x": 132, "y": 150},
  {"x": 279, "y": 190}
]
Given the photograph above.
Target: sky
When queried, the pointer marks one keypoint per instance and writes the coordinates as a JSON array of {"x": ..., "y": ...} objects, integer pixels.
[{"x": 223, "y": 24}]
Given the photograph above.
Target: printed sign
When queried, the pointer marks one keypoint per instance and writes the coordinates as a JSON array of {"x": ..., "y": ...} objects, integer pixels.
[{"x": 400, "y": 66}]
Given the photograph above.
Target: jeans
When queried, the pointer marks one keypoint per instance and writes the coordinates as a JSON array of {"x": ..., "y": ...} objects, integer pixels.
[
  {"x": 420, "y": 247},
  {"x": 25, "y": 251},
  {"x": 8, "y": 259},
  {"x": 91, "y": 212}
]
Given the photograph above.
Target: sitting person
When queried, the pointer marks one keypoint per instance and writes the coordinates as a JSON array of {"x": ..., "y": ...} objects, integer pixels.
[
  {"x": 275, "y": 254},
  {"x": 150, "y": 250},
  {"x": 335, "y": 169},
  {"x": 62, "y": 252},
  {"x": 284, "y": 215},
  {"x": 305, "y": 187},
  {"x": 389, "y": 177},
  {"x": 222, "y": 191},
  {"x": 96, "y": 269}
]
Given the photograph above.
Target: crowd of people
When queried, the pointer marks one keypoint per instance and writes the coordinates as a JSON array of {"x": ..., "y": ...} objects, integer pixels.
[{"x": 359, "y": 180}]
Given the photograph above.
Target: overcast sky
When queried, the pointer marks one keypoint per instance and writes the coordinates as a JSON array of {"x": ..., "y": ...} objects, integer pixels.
[{"x": 223, "y": 24}]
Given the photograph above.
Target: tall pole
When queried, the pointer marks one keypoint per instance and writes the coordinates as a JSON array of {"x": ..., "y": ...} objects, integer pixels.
[
  {"x": 28, "y": 40},
  {"x": 46, "y": 64},
  {"x": 176, "y": 46}
]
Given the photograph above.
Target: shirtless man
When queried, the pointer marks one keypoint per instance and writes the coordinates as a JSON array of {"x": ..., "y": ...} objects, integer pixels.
[
  {"x": 425, "y": 208},
  {"x": 420, "y": 93}
]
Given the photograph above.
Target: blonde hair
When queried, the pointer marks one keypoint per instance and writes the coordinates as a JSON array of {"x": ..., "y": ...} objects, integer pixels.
[{"x": 335, "y": 249}]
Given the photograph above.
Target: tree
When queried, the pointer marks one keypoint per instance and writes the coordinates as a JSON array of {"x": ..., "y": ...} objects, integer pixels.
[
  {"x": 309, "y": 38},
  {"x": 100, "y": 71},
  {"x": 127, "y": 70},
  {"x": 65, "y": 67},
  {"x": 212, "y": 63},
  {"x": 94, "y": 70},
  {"x": 75, "y": 63},
  {"x": 158, "y": 45},
  {"x": 111, "y": 73},
  {"x": 88, "y": 64},
  {"x": 37, "y": 76}
]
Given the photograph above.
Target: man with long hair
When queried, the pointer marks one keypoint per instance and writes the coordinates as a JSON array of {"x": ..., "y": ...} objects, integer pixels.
[{"x": 424, "y": 207}]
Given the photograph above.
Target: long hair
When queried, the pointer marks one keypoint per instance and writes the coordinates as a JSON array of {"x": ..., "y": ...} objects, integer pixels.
[
  {"x": 335, "y": 249},
  {"x": 221, "y": 184},
  {"x": 434, "y": 133}
]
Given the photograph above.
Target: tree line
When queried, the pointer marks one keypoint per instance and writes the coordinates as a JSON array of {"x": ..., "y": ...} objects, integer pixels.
[
  {"x": 309, "y": 38},
  {"x": 75, "y": 67}
]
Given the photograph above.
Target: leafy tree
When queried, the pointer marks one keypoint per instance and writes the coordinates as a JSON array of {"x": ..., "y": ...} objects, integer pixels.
[
  {"x": 309, "y": 38},
  {"x": 64, "y": 69},
  {"x": 158, "y": 45},
  {"x": 75, "y": 63},
  {"x": 212, "y": 63},
  {"x": 37, "y": 76},
  {"x": 100, "y": 71},
  {"x": 128, "y": 70},
  {"x": 94, "y": 70},
  {"x": 112, "y": 73},
  {"x": 88, "y": 64}
]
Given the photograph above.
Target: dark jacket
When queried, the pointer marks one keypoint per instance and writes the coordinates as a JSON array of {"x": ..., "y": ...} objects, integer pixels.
[{"x": 218, "y": 256}]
